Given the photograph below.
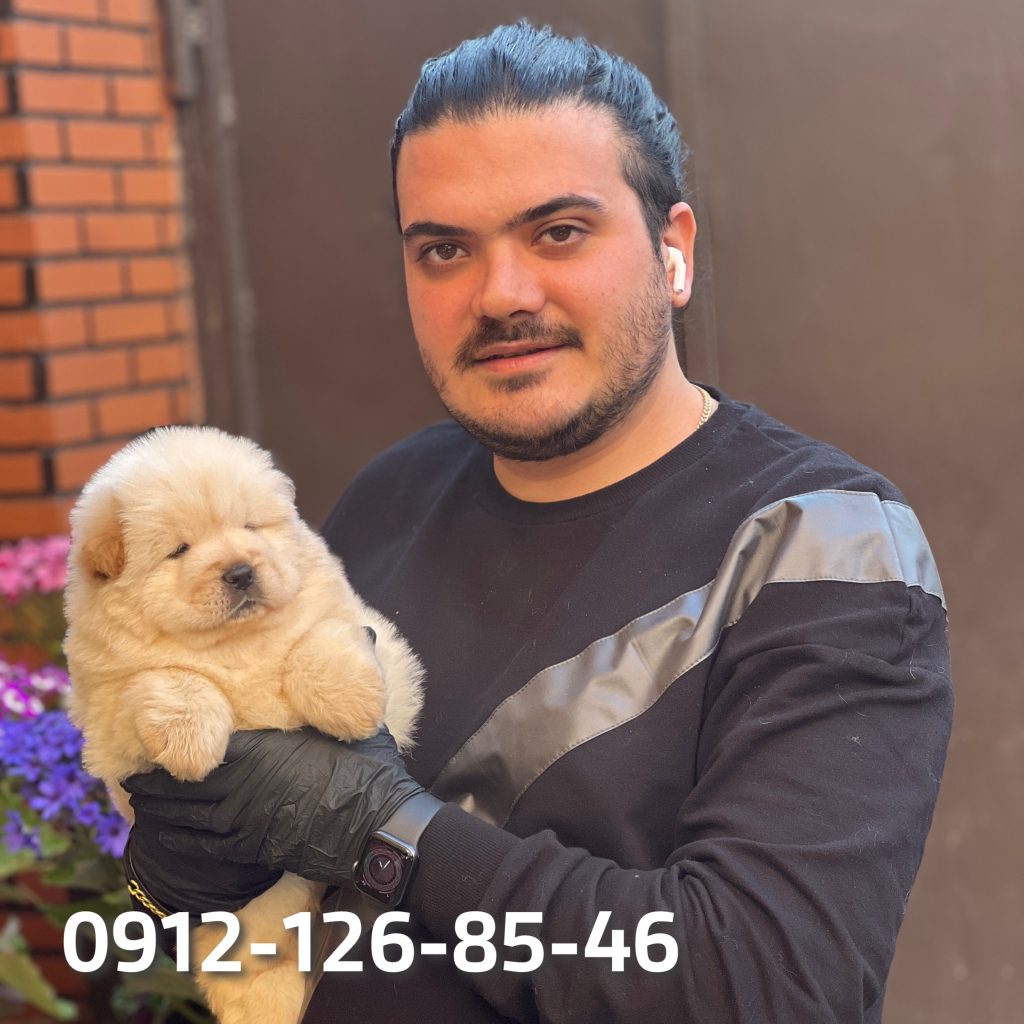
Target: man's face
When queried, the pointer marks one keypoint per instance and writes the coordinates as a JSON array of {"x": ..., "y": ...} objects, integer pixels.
[{"x": 541, "y": 310}]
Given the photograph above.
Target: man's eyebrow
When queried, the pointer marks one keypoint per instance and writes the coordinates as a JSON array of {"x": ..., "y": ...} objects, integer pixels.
[
  {"x": 431, "y": 228},
  {"x": 420, "y": 228},
  {"x": 556, "y": 205}
]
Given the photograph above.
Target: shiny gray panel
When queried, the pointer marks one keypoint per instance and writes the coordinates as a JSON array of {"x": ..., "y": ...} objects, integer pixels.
[{"x": 846, "y": 536}]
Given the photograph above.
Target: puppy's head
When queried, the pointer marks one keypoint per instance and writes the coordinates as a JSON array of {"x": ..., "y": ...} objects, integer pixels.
[{"x": 194, "y": 529}]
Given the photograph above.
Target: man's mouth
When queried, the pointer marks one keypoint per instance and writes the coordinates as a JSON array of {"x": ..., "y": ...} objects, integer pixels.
[
  {"x": 514, "y": 350},
  {"x": 508, "y": 348}
]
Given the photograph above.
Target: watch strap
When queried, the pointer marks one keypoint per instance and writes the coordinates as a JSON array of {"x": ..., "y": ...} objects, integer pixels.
[{"x": 411, "y": 819}]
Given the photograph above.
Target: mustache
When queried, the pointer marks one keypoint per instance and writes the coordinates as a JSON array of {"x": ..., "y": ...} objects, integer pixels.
[{"x": 488, "y": 332}]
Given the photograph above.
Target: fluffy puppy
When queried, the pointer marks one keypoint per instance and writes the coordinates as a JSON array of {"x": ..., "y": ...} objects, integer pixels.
[{"x": 199, "y": 603}]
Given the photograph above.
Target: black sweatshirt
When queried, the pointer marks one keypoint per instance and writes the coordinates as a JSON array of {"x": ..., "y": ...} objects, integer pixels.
[{"x": 717, "y": 689}]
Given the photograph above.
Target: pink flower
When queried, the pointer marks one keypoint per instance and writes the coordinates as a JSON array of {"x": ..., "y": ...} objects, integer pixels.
[
  {"x": 13, "y": 581},
  {"x": 34, "y": 566}
]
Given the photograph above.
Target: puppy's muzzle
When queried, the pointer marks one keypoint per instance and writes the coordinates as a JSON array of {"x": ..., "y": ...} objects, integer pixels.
[{"x": 240, "y": 577}]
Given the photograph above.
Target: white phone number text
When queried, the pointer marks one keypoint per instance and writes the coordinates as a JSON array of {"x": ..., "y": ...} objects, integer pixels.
[{"x": 391, "y": 951}]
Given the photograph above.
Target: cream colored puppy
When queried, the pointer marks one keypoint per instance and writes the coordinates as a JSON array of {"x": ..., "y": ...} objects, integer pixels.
[{"x": 199, "y": 603}]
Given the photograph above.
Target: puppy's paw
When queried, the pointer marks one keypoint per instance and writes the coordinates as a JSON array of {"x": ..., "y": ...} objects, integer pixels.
[
  {"x": 188, "y": 750},
  {"x": 184, "y": 757},
  {"x": 334, "y": 681},
  {"x": 354, "y": 711},
  {"x": 183, "y": 722}
]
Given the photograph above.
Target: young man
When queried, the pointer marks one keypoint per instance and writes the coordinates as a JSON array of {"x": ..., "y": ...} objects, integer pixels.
[{"x": 687, "y": 669}]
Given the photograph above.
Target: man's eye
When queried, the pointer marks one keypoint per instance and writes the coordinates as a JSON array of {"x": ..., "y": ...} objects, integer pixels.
[
  {"x": 561, "y": 234},
  {"x": 442, "y": 252}
]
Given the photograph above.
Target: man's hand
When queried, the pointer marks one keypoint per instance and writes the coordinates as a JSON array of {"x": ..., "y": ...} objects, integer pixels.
[{"x": 281, "y": 801}]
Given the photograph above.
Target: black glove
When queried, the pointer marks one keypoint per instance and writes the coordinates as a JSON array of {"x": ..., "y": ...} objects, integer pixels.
[
  {"x": 165, "y": 882},
  {"x": 287, "y": 801}
]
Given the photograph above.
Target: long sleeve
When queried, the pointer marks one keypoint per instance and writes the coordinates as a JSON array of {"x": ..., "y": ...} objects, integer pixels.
[{"x": 825, "y": 723}]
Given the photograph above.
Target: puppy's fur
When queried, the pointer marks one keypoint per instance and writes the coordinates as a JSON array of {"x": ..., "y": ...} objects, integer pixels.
[{"x": 172, "y": 646}]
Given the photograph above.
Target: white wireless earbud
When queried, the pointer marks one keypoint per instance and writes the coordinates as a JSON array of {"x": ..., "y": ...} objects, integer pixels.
[{"x": 678, "y": 263}]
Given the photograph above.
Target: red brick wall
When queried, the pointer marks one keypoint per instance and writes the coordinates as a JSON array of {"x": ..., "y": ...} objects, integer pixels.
[{"x": 96, "y": 312}]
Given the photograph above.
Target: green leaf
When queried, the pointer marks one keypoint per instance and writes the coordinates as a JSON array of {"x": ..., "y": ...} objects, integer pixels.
[
  {"x": 18, "y": 972},
  {"x": 118, "y": 899},
  {"x": 12, "y": 863},
  {"x": 164, "y": 981},
  {"x": 125, "y": 1004},
  {"x": 58, "y": 913},
  {"x": 10, "y": 800},
  {"x": 51, "y": 842},
  {"x": 10, "y": 937},
  {"x": 59, "y": 874},
  {"x": 86, "y": 869},
  {"x": 15, "y": 894}
]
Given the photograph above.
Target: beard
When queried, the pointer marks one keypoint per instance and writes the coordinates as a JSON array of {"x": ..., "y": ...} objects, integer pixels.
[{"x": 634, "y": 356}]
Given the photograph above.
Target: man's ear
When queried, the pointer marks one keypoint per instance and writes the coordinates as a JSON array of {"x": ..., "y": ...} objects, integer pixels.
[
  {"x": 680, "y": 233},
  {"x": 97, "y": 536}
]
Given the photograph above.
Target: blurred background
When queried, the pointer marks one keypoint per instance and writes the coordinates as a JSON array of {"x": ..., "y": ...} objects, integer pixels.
[{"x": 196, "y": 226}]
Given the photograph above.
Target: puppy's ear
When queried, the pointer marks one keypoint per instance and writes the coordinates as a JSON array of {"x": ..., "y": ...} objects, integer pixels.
[{"x": 98, "y": 536}]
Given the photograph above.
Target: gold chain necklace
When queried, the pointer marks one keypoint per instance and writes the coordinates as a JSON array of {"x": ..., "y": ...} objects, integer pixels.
[{"x": 705, "y": 412}]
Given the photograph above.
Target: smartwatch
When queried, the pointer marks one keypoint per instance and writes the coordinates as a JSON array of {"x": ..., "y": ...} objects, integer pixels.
[{"x": 388, "y": 859}]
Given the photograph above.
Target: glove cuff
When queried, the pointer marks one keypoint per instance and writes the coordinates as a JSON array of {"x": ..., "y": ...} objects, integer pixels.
[
  {"x": 141, "y": 897},
  {"x": 142, "y": 900}
]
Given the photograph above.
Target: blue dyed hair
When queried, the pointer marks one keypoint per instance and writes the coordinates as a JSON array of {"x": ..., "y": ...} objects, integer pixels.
[{"x": 518, "y": 68}]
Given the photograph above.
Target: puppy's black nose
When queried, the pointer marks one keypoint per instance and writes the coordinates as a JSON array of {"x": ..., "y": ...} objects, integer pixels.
[{"x": 239, "y": 576}]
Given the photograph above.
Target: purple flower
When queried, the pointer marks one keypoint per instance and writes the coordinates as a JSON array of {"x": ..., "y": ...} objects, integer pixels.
[
  {"x": 15, "y": 745},
  {"x": 50, "y": 679},
  {"x": 15, "y": 700},
  {"x": 112, "y": 834},
  {"x": 90, "y": 813},
  {"x": 22, "y": 692},
  {"x": 41, "y": 759},
  {"x": 17, "y": 835},
  {"x": 62, "y": 789}
]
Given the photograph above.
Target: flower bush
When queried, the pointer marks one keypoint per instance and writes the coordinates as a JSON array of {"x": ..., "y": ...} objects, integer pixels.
[
  {"x": 57, "y": 825},
  {"x": 43, "y": 784},
  {"x": 32, "y": 574}
]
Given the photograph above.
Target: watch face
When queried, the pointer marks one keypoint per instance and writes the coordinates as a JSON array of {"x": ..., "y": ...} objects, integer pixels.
[{"x": 383, "y": 870}]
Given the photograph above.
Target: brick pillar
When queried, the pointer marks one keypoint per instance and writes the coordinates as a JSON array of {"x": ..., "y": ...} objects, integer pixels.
[{"x": 96, "y": 309}]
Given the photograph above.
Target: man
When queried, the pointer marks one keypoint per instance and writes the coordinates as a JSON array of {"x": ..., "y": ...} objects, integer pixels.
[{"x": 682, "y": 661}]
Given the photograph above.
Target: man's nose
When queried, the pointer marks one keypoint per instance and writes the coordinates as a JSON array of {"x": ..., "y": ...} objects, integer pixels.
[{"x": 509, "y": 286}]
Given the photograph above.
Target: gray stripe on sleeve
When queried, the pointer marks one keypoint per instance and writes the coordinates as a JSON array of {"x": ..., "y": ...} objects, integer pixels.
[{"x": 840, "y": 536}]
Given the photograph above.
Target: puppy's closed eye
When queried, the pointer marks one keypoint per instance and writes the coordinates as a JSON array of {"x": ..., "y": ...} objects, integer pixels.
[{"x": 179, "y": 551}]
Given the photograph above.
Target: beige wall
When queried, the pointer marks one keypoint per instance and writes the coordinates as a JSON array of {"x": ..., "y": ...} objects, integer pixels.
[{"x": 862, "y": 171}]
